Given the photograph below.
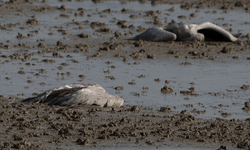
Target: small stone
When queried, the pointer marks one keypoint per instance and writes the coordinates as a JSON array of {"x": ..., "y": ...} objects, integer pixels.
[
  {"x": 166, "y": 90},
  {"x": 135, "y": 109},
  {"x": 165, "y": 109}
]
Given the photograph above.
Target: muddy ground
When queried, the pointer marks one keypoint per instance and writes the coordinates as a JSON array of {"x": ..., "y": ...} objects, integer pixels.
[
  {"x": 40, "y": 126},
  {"x": 45, "y": 44}
]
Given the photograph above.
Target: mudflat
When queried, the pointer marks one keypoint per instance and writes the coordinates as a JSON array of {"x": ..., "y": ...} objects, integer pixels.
[{"x": 177, "y": 94}]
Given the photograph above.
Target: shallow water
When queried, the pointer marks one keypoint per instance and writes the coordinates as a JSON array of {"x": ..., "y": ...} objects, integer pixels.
[
  {"x": 236, "y": 23},
  {"x": 203, "y": 15},
  {"x": 208, "y": 76}
]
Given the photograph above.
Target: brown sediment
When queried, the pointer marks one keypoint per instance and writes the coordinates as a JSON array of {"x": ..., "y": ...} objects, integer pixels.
[{"x": 28, "y": 127}]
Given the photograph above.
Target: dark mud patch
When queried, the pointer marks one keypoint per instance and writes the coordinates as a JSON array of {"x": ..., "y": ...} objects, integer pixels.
[{"x": 39, "y": 126}]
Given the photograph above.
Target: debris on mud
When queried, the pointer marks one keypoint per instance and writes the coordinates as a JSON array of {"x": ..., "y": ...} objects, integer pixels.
[
  {"x": 166, "y": 90},
  {"x": 245, "y": 87}
]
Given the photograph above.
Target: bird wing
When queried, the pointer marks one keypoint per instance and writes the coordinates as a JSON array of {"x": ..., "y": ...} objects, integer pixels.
[
  {"x": 53, "y": 96},
  {"x": 77, "y": 94},
  {"x": 156, "y": 35},
  {"x": 59, "y": 96},
  {"x": 93, "y": 95},
  {"x": 214, "y": 32}
]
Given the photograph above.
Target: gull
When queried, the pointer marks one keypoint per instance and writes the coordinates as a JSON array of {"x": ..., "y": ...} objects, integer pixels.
[
  {"x": 77, "y": 94},
  {"x": 187, "y": 32}
]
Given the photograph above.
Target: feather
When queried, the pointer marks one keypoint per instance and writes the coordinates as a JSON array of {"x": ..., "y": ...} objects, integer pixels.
[
  {"x": 213, "y": 32},
  {"x": 156, "y": 35},
  {"x": 77, "y": 94},
  {"x": 187, "y": 32}
]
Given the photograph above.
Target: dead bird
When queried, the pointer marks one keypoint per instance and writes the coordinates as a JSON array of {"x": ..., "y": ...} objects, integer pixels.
[
  {"x": 77, "y": 94},
  {"x": 187, "y": 32}
]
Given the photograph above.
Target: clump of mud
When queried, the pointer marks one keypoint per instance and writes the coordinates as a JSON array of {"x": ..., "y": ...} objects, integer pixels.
[{"x": 166, "y": 90}]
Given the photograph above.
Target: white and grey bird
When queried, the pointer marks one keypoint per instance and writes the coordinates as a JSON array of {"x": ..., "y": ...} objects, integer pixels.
[
  {"x": 77, "y": 94},
  {"x": 187, "y": 32}
]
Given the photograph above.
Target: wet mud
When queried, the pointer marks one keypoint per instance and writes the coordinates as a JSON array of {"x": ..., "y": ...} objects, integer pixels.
[
  {"x": 177, "y": 94},
  {"x": 39, "y": 126}
]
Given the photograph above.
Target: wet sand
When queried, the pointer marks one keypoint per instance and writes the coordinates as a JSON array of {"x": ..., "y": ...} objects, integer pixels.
[{"x": 177, "y": 94}]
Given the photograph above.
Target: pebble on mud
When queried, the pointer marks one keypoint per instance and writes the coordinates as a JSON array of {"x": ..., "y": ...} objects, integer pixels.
[
  {"x": 122, "y": 23},
  {"x": 245, "y": 87},
  {"x": 97, "y": 24},
  {"x": 132, "y": 83},
  {"x": 62, "y": 7},
  {"x": 119, "y": 88},
  {"x": 84, "y": 142},
  {"x": 167, "y": 81},
  {"x": 82, "y": 76},
  {"x": 105, "y": 30},
  {"x": 246, "y": 107},
  {"x": 157, "y": 80},
  {"x": 222, "y": 147},
  {"x": 166, "y": 90},
  {"x": 32, "y": 21},
  {"x": 151, "y": 56},
  {"x": 135, "y": 109},
  {"x": 165, "y": 109},
  {"x": 226, "y": 50},
  {"x": 85, "y": 36},
  {"x": 110, "y": 77}
]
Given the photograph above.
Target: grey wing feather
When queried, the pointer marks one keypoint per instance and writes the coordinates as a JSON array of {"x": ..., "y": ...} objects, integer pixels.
[
  {"x": 32, "y": 100},
  {"x": 156, "y": 35},
  {"x": 61, "y": 100},
  {"x": 77, "y": 94},
  {"x": 39, "y": 98},
  {"x": 210, "y": 26},
  {"x": 181, "y": 30},
  {"x": 55, "y": 96}
]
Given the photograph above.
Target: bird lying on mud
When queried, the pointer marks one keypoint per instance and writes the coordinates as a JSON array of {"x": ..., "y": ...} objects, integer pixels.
[
  {"x": 187, "y": 32},
  {"x": 77, "y": 94}
]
